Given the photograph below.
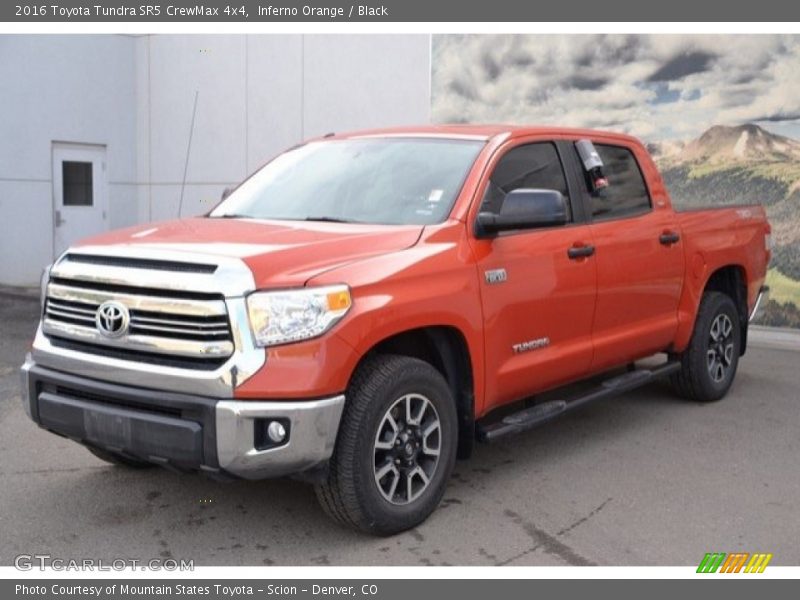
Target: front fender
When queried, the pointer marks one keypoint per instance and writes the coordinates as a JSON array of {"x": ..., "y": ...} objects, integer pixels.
[{"x": 433, "y": 284}]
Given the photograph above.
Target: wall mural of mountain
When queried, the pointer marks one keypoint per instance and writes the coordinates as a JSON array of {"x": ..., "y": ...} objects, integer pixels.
[
  {"x": 721, "y": 114},
  {"x": 742, "y": 164}
]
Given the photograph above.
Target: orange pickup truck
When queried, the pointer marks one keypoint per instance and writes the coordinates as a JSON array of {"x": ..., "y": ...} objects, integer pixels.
[{"x": 354, "y": 313}]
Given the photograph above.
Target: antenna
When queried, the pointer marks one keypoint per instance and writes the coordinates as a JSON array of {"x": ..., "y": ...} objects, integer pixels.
[{"x": 188, "y": 151}]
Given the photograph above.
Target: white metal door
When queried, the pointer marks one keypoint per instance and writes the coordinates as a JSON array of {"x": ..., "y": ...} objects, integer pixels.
[{"x": 80, "y": 194}]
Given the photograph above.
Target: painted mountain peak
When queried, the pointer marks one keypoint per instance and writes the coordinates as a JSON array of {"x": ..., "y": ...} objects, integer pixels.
[
  {"x": 730, "y": 144},
  {"x": 743, "y": 143}
]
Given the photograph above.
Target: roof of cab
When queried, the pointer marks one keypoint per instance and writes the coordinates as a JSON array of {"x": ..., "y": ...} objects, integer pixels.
[{"x": 476, "y": 131}]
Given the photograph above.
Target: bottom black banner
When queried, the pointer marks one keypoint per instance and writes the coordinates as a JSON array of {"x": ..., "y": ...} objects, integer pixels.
[{"x": 388, "y": 589}]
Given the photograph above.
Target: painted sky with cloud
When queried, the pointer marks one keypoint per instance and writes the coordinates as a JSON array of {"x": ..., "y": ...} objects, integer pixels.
[{"x": 657, "y": 87}]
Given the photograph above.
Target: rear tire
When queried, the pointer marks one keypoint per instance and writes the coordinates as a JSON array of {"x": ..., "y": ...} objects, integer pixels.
[
  {"x": 395, "y": 449},
  {"x": 708, "y": 365},
  {"x": 119, "y": 460}
]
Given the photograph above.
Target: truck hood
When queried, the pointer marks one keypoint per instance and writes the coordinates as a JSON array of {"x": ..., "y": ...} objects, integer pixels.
[{"x": 279, "y": 253}]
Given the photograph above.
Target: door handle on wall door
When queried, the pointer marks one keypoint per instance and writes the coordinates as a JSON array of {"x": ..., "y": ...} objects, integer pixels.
[{"x": 59, "y": 220}]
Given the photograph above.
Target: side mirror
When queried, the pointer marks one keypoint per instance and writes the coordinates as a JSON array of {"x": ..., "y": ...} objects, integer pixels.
[
  {"x": 226, "y": 192},
  {"x": 524, "y": 209}
]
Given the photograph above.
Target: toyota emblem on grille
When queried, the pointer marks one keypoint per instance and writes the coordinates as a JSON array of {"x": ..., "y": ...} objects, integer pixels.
[{"x": 112, "y": 319}]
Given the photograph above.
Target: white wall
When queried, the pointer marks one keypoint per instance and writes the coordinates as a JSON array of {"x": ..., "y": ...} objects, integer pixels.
[
  {"x": 59, "y": 88},
  {"x": 257, "y": 96}
]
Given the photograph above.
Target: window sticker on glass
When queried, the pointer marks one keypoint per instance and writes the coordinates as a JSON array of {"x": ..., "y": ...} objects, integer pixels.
[{"x": 435, "y": 195}]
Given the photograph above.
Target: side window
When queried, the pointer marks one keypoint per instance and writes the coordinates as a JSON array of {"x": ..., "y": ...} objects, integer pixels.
[
  {"x": 77, "y": 182},
  {"x": 626, "y": 193},
  {"x": 530, "y": 166}
]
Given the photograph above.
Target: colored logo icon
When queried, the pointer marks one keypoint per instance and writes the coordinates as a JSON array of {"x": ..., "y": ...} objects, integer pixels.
[{"x": 737, "y": 562}]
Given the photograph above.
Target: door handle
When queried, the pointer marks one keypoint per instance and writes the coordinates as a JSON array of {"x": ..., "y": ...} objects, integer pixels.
[
  {"x": 59, "y": 220},
  {"x": 580, "y": 251},
  {"x": 668, "y": 238}
]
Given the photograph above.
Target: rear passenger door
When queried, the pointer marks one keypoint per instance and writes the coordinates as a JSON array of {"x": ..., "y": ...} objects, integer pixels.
[
  {"x": 639, "y": 259},
  {"x": 537, "y": 296}
]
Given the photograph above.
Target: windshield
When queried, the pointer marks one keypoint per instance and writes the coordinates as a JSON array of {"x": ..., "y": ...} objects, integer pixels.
[{"x": 399, "y": 181}]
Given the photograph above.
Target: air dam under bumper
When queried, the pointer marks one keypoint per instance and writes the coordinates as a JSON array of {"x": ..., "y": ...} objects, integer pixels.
[{"x": 181, "y": 431}]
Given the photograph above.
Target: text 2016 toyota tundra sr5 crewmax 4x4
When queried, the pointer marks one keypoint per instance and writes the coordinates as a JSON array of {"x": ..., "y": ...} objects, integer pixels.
[{"x": 355, "y": 311}]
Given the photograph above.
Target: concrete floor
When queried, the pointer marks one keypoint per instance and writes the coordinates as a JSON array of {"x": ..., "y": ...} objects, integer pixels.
[{"x": 645, "y": 479}]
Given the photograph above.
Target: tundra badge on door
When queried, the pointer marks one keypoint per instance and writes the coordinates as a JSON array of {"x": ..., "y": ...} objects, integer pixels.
[{"x": 531, "y": 345}]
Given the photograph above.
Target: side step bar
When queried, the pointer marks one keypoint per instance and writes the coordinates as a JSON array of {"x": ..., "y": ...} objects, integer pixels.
[{"x": 529, "y": 418}]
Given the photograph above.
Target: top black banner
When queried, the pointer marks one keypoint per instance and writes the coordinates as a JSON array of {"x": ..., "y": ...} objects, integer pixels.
[{"x": 241, "y": 11}]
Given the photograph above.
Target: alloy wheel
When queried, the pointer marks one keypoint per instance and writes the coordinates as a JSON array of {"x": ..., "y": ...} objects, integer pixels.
[
  {"x": 407, "y": 448},
  {"x": 719, "y": 356}
]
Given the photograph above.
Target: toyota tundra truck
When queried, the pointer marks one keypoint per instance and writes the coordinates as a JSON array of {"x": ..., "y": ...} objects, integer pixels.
[{"x": 364, "y": 308}]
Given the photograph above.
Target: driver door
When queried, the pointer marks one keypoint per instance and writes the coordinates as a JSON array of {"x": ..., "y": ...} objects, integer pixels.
[{"x": 538, "y": 297}]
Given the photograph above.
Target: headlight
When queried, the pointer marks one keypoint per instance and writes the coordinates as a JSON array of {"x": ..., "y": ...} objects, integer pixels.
[
  {"x": 291, "y": 315},
  {"x": 43, "y": 284}
]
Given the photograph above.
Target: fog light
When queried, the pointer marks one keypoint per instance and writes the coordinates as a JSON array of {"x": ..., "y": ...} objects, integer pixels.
[
  {"x": 271, "y": 432},
  {"x": 276, "y": 432}
]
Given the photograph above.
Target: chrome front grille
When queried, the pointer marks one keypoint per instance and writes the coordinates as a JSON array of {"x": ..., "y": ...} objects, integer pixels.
[
  {"x": 187, "y": 306},
  {"x": 180, "y": 326},
  {"x": 161, "y": 322}
]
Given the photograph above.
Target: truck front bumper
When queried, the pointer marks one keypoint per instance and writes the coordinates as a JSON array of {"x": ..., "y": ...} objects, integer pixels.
[{"x": 183, "y": 431}]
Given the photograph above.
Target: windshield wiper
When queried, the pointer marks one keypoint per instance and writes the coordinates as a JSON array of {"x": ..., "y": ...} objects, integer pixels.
[
  {"x": 231, "y": 216},
  {"x": 323, "y": 219}
]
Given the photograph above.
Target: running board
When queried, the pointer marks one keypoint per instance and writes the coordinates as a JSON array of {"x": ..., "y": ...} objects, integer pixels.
[{"x": 538, "y": 414}]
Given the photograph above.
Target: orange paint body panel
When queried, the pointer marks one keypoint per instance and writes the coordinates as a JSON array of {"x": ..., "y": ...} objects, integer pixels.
[{"x": 635, "y": 296}]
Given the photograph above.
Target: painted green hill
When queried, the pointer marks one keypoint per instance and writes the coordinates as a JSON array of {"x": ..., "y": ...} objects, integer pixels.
[{"x": 746, "y": 164}]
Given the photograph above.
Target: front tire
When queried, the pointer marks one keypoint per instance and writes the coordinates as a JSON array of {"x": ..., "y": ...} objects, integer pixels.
[
  {"x": 709, "y": 363},
  {"x": 395, "y": 449}
]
